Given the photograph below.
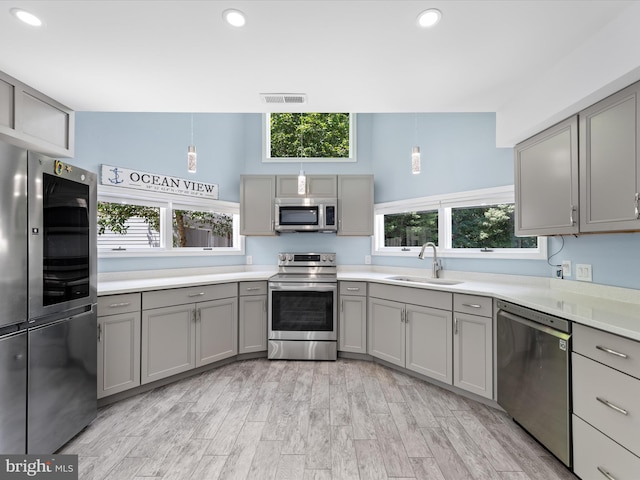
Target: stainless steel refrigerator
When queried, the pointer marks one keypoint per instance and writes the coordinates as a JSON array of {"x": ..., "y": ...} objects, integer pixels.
[{"x": 48, "y": 342}]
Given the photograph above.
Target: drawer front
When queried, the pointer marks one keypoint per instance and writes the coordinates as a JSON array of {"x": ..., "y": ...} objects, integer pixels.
[
  {"x": 182, "y": 296},
  {"x": 602, "y": 395},
  {"x": 123, "y": 303},
  {"x": 353, "y": 288},
  {"x": 594, "y": 453},
  {"x": 618, "y": 352},
  {"x": 253, "y": 288},
  {"x": 414, "y": 296},
  {"x": 473, "y": 304}
]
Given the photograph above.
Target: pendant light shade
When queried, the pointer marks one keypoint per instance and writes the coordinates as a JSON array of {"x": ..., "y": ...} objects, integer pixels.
[
  {"x": 415, "y": 160},
  {"x": 192, "y": 159},
  {"x": 302, "y": 183}
]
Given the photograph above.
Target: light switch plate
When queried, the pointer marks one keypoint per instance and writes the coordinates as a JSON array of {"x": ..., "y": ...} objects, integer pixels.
[
  {"x": 583, "y": 272},
  {"x": 249, "y": 260},
  {"x": 367, "y": 259},
  {"x": 566, "y": 268}
]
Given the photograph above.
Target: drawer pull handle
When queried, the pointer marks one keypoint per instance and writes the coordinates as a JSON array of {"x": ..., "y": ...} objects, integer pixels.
[
  {"x": 612, "y": 406},
  {"x": 612, "y": 352},
  {"x": 117, "y": 305},
  {"x": 353, "y": 289},
  {"x": 252, "y": 289},
  {"x": 196, "y": 294},
  {"x": 471, "y": 305},
  {"x": 606, "y": 474}
]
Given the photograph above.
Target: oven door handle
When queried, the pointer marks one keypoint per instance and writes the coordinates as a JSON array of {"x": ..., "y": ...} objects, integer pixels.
[{"x": 308, "y": 287}]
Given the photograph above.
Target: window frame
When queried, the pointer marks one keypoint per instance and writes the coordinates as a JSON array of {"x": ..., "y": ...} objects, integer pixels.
[
  {"x": 266, "y": 144},
  {"x": 168, "y": 202},
  {"x": 444, "y": 204}
]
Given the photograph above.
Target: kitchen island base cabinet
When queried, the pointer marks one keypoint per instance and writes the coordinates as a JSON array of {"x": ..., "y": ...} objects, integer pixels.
[{"x": 118, "y": 343}]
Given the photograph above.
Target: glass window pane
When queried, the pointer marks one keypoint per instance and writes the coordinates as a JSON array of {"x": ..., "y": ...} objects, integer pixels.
[
  {"x": 410, "y": 229},
  {"x": 192, "y": 228},
  {"x": 490, "y": 227},
  {"x": 123, "y": 225},
  {"x": 309, "y": 135}
]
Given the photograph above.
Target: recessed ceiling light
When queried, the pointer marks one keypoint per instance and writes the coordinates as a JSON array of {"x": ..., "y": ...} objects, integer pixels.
[
  {"x": 26, "y": 17},
  {"x": 429, "y": 18},
  {"x": 235, "y": 18}
]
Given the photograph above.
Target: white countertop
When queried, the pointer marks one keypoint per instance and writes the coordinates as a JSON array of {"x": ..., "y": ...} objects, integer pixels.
[{"x": 613, "y": 309}]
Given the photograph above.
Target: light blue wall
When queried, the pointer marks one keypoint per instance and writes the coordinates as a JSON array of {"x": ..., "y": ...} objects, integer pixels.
[{"x": 458, "y": 153}]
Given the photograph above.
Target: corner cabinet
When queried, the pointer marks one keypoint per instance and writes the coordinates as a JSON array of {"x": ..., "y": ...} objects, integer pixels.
[
  {"x": 257, "y": 204},
  {"x": 184, "y": 328},
  {"x": 118, "y": 343},
  {"x": 252, "y": 324},
  {"x": 412, "y": 328},
  {"x": 355, "y": 205},
  {"x": 352, "y": 323},
  {"x": 546, "y": 181},
  {"x": 610, "y": 163}
]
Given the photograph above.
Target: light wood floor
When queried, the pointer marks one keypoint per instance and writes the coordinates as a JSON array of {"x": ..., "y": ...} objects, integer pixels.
[{"x": 343, "y": 420}]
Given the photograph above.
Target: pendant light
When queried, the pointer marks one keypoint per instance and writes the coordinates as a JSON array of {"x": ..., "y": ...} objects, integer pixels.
[
  {"x": 192, "y": 156},
  {"x": 415, "y": 151},
  {"x": 302, "y": 182}
]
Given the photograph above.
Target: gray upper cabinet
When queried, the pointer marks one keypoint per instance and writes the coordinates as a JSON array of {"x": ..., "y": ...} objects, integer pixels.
[
  {"x": 32, "y": 120},
  {"x": 546, "y": 181},
  {"x": 317, "y": 186},
  {"x": 355, "y": 205},
  {"x": 257, "y": 208},
  {"x": 609, "y": 163}
]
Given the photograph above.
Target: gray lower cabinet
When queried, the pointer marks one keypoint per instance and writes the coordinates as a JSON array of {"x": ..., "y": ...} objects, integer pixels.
[
  {"x": 252, "y": 323},
  {"x": 179, "y": 334},
  {"x": 355, "y": 205},
  {"x": 417, "y": 337},
  {"x": 118, "y": 343},
  {"x": 606, "y": 413},
  {"x": 546, "y": 181},
  {"x": 352, "y": 323},
  {"x": 257, "y": 204},
  {"x": 610, "y": 163},
  {"x": 473, "y": 344}
]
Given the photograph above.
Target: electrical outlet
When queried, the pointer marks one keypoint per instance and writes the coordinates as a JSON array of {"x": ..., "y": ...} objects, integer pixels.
[
  {"x": 583, "y": 272},
  {"x": 249, "y": 260},
  {"x": 566, "y": 268},
  {"x": 367, "y": 259}
]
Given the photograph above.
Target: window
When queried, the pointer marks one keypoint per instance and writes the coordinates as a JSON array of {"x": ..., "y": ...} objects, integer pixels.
[
  {"x": 478, "y": 223},
  {"x": 302, "y": 137},
  {"x": 133, "y": 223}
]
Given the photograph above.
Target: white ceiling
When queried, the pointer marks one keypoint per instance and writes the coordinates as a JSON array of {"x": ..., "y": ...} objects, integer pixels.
[{"x": 346, "y": 55}]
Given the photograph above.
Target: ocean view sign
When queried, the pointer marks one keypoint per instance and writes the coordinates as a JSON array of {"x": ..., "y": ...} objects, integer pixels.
[{"x": 152, "y": 182}]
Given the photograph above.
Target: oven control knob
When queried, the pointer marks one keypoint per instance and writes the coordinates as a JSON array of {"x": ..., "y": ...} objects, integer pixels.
[
  {"x": 290, "y": 257},
  {"x": 282, "y": 257},
  {"x": 324, "y": 258},
  {"x": 332, "y": 258}
]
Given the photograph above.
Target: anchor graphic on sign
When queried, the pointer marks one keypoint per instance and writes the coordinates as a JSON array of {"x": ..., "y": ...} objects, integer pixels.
[{"x": 116, "y": 179}]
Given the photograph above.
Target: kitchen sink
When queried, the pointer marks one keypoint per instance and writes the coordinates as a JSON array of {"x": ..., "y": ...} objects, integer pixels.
[{"x": 428, "y": 280}]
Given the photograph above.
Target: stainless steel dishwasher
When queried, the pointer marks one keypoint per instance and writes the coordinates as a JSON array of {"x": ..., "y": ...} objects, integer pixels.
[{"x": 533, "y": 374}]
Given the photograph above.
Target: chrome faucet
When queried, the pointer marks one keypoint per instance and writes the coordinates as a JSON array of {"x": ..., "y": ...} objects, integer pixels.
[{"x": 436, "y": 267}]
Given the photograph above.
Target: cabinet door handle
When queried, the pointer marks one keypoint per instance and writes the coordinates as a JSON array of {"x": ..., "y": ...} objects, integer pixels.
[
  {"x": 572, "y": 220},
  {"x": 99, "y": 332},
  {"x": 196, "y": 294},
  {"x": 117, "y": 305},
  {"x": 606, "y": 474},
  {"x": 612, "y": 352},
  {"x": 637, "y": 206},
  {"x": 252, "y": 289},
  {"x": 471, "y": 305},
  {"x": 353, "y": 289},
  {"x": 612, "y": 406},
  {"x": 455, "y": 325}
]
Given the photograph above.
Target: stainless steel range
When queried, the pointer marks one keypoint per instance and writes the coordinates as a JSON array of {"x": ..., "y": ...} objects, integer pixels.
[{"x": 303, "y": 299}]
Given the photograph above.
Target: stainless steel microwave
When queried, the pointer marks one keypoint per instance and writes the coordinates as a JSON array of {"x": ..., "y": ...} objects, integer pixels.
[{"x": 306, "y": 215}]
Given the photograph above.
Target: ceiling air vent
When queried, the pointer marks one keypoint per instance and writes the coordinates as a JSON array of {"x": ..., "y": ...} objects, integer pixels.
[{"x": 284, "y": 98}]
